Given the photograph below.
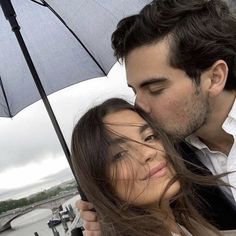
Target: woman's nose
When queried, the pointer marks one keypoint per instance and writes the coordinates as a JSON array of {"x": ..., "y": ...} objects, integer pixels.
[{"x": 146, "y": 153}]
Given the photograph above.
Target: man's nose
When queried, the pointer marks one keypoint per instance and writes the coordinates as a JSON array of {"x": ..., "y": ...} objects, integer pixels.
[{"x": 142, "y": 104}]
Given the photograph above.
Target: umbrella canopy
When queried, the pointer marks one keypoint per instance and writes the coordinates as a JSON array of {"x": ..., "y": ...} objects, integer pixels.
[
  {"x": 60, "y": 59},
  {"x": 62, "y": 44}
]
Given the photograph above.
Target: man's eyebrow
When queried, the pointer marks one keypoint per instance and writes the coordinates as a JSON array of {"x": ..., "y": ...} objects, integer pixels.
[
  {"x": 151, "y": 81},
  {"x": 159, "y": 80}
]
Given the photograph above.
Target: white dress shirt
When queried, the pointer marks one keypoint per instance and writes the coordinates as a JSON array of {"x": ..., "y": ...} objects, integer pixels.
[{"x": 217, "y": 162}]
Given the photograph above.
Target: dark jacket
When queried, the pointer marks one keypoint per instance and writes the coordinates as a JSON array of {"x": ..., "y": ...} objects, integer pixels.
[{"x": 216, "y": 208}]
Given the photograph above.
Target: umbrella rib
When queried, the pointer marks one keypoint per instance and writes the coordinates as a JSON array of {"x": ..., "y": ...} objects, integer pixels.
[
  {"x": 5, "y": 97},
  {"x": 44, "y": 3},
  {"x": 38, "y": 2}
]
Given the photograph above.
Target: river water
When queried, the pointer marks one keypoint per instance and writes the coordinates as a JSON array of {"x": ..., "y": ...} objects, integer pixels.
[{"x": 34, "y": 221}]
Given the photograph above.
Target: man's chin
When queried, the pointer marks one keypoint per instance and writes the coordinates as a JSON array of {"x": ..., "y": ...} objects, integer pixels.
[{"x": 179, "y": 135}]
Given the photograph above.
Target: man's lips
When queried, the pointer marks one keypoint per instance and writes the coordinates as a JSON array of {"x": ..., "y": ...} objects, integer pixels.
[{"x": 157, "y": 171}]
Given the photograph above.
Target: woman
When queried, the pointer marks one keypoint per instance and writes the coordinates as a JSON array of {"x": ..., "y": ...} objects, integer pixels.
[{"x": 125, "y": 168}]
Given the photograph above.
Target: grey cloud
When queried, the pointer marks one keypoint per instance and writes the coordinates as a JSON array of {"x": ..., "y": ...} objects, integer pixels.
[
  {"x": 46, "y": 182},
  {"x": 30, "y": 137}
]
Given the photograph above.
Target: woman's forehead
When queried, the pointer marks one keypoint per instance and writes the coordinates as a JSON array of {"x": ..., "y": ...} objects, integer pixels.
[
  {"x": 125, "y": 123},
  {"x": 123, "y": 116}
]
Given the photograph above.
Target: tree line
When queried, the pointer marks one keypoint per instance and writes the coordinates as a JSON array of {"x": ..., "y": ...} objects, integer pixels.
[{"x": 22, "y": 202}]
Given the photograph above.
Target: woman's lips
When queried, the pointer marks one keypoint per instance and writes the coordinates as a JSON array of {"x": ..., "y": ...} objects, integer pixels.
[{"x": 157, "y": 171}]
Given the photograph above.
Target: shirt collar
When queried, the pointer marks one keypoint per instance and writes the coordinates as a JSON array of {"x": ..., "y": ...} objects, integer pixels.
[
  {"x": 195, "y": 141},
  {"x": 229, "y": 124}
]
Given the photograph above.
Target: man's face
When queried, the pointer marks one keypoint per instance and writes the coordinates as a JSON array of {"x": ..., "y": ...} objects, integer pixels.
[{"x": 167, "y": 94}]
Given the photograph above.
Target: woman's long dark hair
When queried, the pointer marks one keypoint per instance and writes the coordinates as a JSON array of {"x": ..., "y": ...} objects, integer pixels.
[{"x": 90, "y": 155}]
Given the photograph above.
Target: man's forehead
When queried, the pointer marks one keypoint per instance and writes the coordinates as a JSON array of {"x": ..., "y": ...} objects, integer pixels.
[{"x": 146, "y": 63}]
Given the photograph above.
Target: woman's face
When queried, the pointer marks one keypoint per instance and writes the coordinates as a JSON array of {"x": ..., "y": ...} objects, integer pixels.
[{"x": 139, "y": 170}]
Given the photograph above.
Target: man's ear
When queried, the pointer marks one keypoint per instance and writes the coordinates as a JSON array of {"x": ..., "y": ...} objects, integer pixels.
[{"x": 218, "y": 74}]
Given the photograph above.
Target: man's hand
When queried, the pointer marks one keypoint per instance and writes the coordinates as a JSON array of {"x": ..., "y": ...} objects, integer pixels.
[{"x": 90, "y": 218}]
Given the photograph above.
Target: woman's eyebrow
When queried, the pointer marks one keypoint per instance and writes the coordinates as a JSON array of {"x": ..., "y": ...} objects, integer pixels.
[
  {"x": 143, "y": 127},
  {"x": 121, "y": 140},
  {"x": 118, "y": 141}
]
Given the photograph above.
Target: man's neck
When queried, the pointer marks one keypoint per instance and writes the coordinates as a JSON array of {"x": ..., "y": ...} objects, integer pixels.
[{"x": 212, "y": 134}]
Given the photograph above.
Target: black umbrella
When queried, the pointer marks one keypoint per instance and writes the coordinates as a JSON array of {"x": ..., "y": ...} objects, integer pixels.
[
  {"x": 67, "y": 46},
  {"x": 67, "y": 42}
]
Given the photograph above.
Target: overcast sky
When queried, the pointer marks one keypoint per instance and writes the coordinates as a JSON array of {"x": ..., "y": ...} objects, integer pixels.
[{"x": 31, "y": 156}]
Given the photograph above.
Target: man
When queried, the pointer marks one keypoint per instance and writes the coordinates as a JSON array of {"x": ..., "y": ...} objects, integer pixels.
[{"x": 180, "y": 59}]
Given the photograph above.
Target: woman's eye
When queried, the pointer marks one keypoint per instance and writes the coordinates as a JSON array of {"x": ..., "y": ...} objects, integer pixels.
[
  {"x": 150, "y": 137},
  {"x": 119, "y": 155}
]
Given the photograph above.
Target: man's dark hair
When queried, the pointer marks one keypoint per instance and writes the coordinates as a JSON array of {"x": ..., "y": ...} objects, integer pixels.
[{"x": 200, "y": 32}]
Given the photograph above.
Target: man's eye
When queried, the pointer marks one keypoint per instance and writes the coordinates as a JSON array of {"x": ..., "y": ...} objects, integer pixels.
[
  {"x": 150, "y": 137},
  {"x": 155, "y": 91}
]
